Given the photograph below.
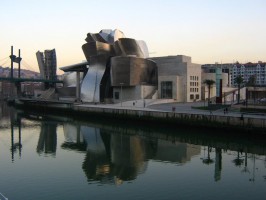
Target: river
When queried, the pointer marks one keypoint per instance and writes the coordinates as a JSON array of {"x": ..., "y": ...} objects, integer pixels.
[{"x": 60, "y": 157}]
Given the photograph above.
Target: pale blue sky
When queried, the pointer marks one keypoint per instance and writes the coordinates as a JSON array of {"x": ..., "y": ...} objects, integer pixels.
[{"x": 207, "y": 30}]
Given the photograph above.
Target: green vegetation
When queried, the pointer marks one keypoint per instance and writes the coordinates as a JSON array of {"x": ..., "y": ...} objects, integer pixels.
[{"x": 209, "y": 83}]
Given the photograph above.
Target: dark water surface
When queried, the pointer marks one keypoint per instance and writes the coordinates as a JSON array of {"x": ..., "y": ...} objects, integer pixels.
[{"x": 49, "y": 157}]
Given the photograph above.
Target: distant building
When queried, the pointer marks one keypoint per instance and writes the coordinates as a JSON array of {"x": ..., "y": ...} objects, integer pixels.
[
  {"x": 47, "y": 64},
  {"x": 257, "y": 70},
  {"x": 223, "y": 90}
]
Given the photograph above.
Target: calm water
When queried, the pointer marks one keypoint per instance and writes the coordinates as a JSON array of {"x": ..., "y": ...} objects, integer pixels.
[{"x": 60, "y": 158}]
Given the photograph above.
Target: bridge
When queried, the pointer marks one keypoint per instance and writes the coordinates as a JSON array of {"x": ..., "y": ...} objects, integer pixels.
[{"x": 19, "y": 80}]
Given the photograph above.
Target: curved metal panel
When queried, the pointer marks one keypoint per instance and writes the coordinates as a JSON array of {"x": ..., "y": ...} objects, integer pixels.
[
  {"x": 96, "y": 48},
  {"x": 128, "y": 66},
  {"x": 92, "y": 37},
  {"x": 90, "y": 87},
  {"x": 128, "y": 47},
  {"x": 144, "y": 48},
  {"x": 116, "y": 35},
  {"x": 70, "y": 79},
  {"x": 132, "y": 71}
]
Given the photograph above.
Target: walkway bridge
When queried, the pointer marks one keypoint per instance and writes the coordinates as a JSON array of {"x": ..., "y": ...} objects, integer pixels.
[{"x": 19, "y": 80}]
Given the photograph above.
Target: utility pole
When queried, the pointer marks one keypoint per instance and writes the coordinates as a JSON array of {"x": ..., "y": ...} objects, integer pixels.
[{"x": 19, "y": 59}]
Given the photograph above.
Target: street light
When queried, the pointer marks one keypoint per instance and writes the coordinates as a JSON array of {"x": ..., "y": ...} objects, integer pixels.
[
  {"x": 143, "y": 95},
  {"x": 121, "y": 84}
]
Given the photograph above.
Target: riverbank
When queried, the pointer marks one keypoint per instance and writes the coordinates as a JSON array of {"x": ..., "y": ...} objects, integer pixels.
[{"x": 167, "y": 114}]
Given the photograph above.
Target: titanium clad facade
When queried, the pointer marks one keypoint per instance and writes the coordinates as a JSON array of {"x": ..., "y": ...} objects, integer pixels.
[
  {"x": 132, "y": 71},
  {"x": 128, "y": 47},
  {"x": 114, "y": 59},
  {"x": 93, "y": 80},
  {"x": 120, "y": 69}
]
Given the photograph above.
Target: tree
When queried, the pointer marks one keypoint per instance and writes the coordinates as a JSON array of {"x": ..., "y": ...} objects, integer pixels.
[
  {"x": 239, "y": 81},
  {"x": 208, "y": 160},
  {"x": 252, "y": 82},
  {"x": 209, "y": 83}
]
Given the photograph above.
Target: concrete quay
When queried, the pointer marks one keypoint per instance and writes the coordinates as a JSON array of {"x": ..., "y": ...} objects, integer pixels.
[
  {"x": 179, "y": 113},
  {"x": 163, "y": 113}
]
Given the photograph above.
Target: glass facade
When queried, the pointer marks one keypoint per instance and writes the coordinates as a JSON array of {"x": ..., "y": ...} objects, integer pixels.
[{"x": 166, "y": 90}]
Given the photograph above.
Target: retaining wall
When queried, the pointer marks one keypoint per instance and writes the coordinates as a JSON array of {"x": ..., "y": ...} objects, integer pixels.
[{"x": 216, "y": 121}]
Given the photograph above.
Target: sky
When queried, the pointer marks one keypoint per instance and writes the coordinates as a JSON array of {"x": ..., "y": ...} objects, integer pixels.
[{"x": 208, "y": 31}]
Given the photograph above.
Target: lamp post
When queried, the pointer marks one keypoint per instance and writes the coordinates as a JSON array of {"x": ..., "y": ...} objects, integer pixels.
[
  {"x": 121, "y": 90},
  {"x": 143, "y": 95}
]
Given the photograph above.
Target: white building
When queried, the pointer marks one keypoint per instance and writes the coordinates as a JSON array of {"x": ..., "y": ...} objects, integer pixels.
[
  {"x": 178, "y": 78},
  {"x": 250, "y": 69}
]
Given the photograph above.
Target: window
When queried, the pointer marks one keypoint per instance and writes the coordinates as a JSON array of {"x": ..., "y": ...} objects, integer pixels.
[
  {"x": 116, "y": 95},
  {"x": 192, "y": 96},
  {"x": 197, "y": 96},
  {"x": 166, "y": 90}
]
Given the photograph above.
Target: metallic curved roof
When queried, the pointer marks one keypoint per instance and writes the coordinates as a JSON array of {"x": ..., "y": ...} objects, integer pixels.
[{"x": 76, "y": 67}]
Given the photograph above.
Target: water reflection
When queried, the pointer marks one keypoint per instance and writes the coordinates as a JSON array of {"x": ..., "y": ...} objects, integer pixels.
[
  {"x": 218, "y": 164},
  {"x": 114, "y": 154},
  {"x": 47, "y": 139},
  {"x": 110, "y": 157}
]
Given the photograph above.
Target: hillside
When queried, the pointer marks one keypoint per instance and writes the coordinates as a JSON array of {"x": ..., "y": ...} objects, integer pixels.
[{"x": 5, "y": 72}]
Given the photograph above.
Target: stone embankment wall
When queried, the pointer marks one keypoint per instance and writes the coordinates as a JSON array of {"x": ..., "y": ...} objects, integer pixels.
[{"x": 215, "y": 121}]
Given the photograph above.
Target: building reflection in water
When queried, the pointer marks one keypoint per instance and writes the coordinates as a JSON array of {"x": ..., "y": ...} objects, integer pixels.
[
  {"x": 48, "y": 138},
  {"x": 176, "y": 151},
  {"x": 114, "y": 157},
  {"x": 218, "y": 164}
]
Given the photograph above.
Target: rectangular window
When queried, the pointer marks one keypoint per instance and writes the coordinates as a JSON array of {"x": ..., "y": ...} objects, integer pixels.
[
  {"x": 166, "y": 90},
  {"x": 116, "y": 95},
  {"x": 197, "y": 96},
  {"x": 192, "y": 96}
]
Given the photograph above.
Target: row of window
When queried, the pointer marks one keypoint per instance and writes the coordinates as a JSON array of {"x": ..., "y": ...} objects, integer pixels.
[
  {"x": 192, "y": 96},
  {"x": 194, "y": 83},
  {"x": 194, "y": 89},
  {"x": 194, "y": 78}
]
